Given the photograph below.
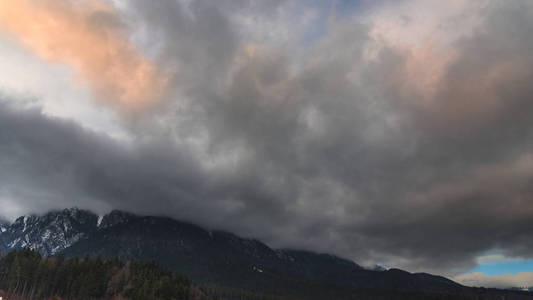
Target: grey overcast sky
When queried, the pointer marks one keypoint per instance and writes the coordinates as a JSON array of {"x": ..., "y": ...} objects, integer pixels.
[{"x": 392, "y": 132}]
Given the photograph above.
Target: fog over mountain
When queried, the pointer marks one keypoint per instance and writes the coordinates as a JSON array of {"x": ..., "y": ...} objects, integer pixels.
[{"x": 391, "y": 132}]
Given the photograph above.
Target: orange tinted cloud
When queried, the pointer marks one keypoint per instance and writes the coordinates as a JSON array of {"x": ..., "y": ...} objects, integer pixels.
[{"x": 87, "y": 36}]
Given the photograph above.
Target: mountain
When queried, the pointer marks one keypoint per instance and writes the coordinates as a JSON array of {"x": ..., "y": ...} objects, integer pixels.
[
  {"x": 210, "y": 257},
  {"x": 49, "y": 234}
]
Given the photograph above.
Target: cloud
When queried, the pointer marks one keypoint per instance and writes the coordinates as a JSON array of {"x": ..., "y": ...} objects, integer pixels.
[
  {"x": 398, "y": 138},
  {"x": 494, "y": 258},
  {"x": 89, "y": 37},
  {"x": 520, "y": 280}
]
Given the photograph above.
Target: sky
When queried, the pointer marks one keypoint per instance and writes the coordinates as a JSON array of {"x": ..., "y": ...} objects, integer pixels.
[{"x": 388, "y": 132}]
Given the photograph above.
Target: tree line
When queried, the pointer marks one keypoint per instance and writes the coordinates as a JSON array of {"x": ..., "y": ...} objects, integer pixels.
[{"x": 27, "y": 275}]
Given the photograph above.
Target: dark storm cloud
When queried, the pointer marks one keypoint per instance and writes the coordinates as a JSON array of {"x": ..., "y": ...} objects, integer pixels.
[{"x": 318, "y": 146}]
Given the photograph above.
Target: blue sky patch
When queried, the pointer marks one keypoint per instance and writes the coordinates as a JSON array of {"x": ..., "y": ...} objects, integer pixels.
[{"x": 503, "y": 267}]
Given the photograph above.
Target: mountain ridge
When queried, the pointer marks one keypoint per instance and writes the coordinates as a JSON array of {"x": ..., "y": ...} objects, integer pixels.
[{"x": 115, "y": 217}]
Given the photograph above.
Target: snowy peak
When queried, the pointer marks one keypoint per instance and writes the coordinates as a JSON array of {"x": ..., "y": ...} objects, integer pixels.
[
  {"x": 57, "y": 230},
  {"x": 51, "y": 233}
]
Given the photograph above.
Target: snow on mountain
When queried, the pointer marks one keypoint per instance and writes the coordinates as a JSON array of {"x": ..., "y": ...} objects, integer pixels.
[
  {"x": 99, "y": 222},
  {"x": 3, "y": 226},
  {"x": 48, "y": 234},
  {"x": 55, "y": 231},
  {"x": 379, "y": 267},
  {"x": 113, "y": 218}
]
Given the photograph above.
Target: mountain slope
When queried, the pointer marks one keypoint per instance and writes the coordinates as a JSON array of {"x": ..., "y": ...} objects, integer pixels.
[
  {"x": 208, "y": 256},
  {"x": 49, "y": 234}
]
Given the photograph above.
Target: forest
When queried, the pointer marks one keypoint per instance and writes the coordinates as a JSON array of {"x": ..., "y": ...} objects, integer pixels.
[{"x": 25, "y": 275}]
